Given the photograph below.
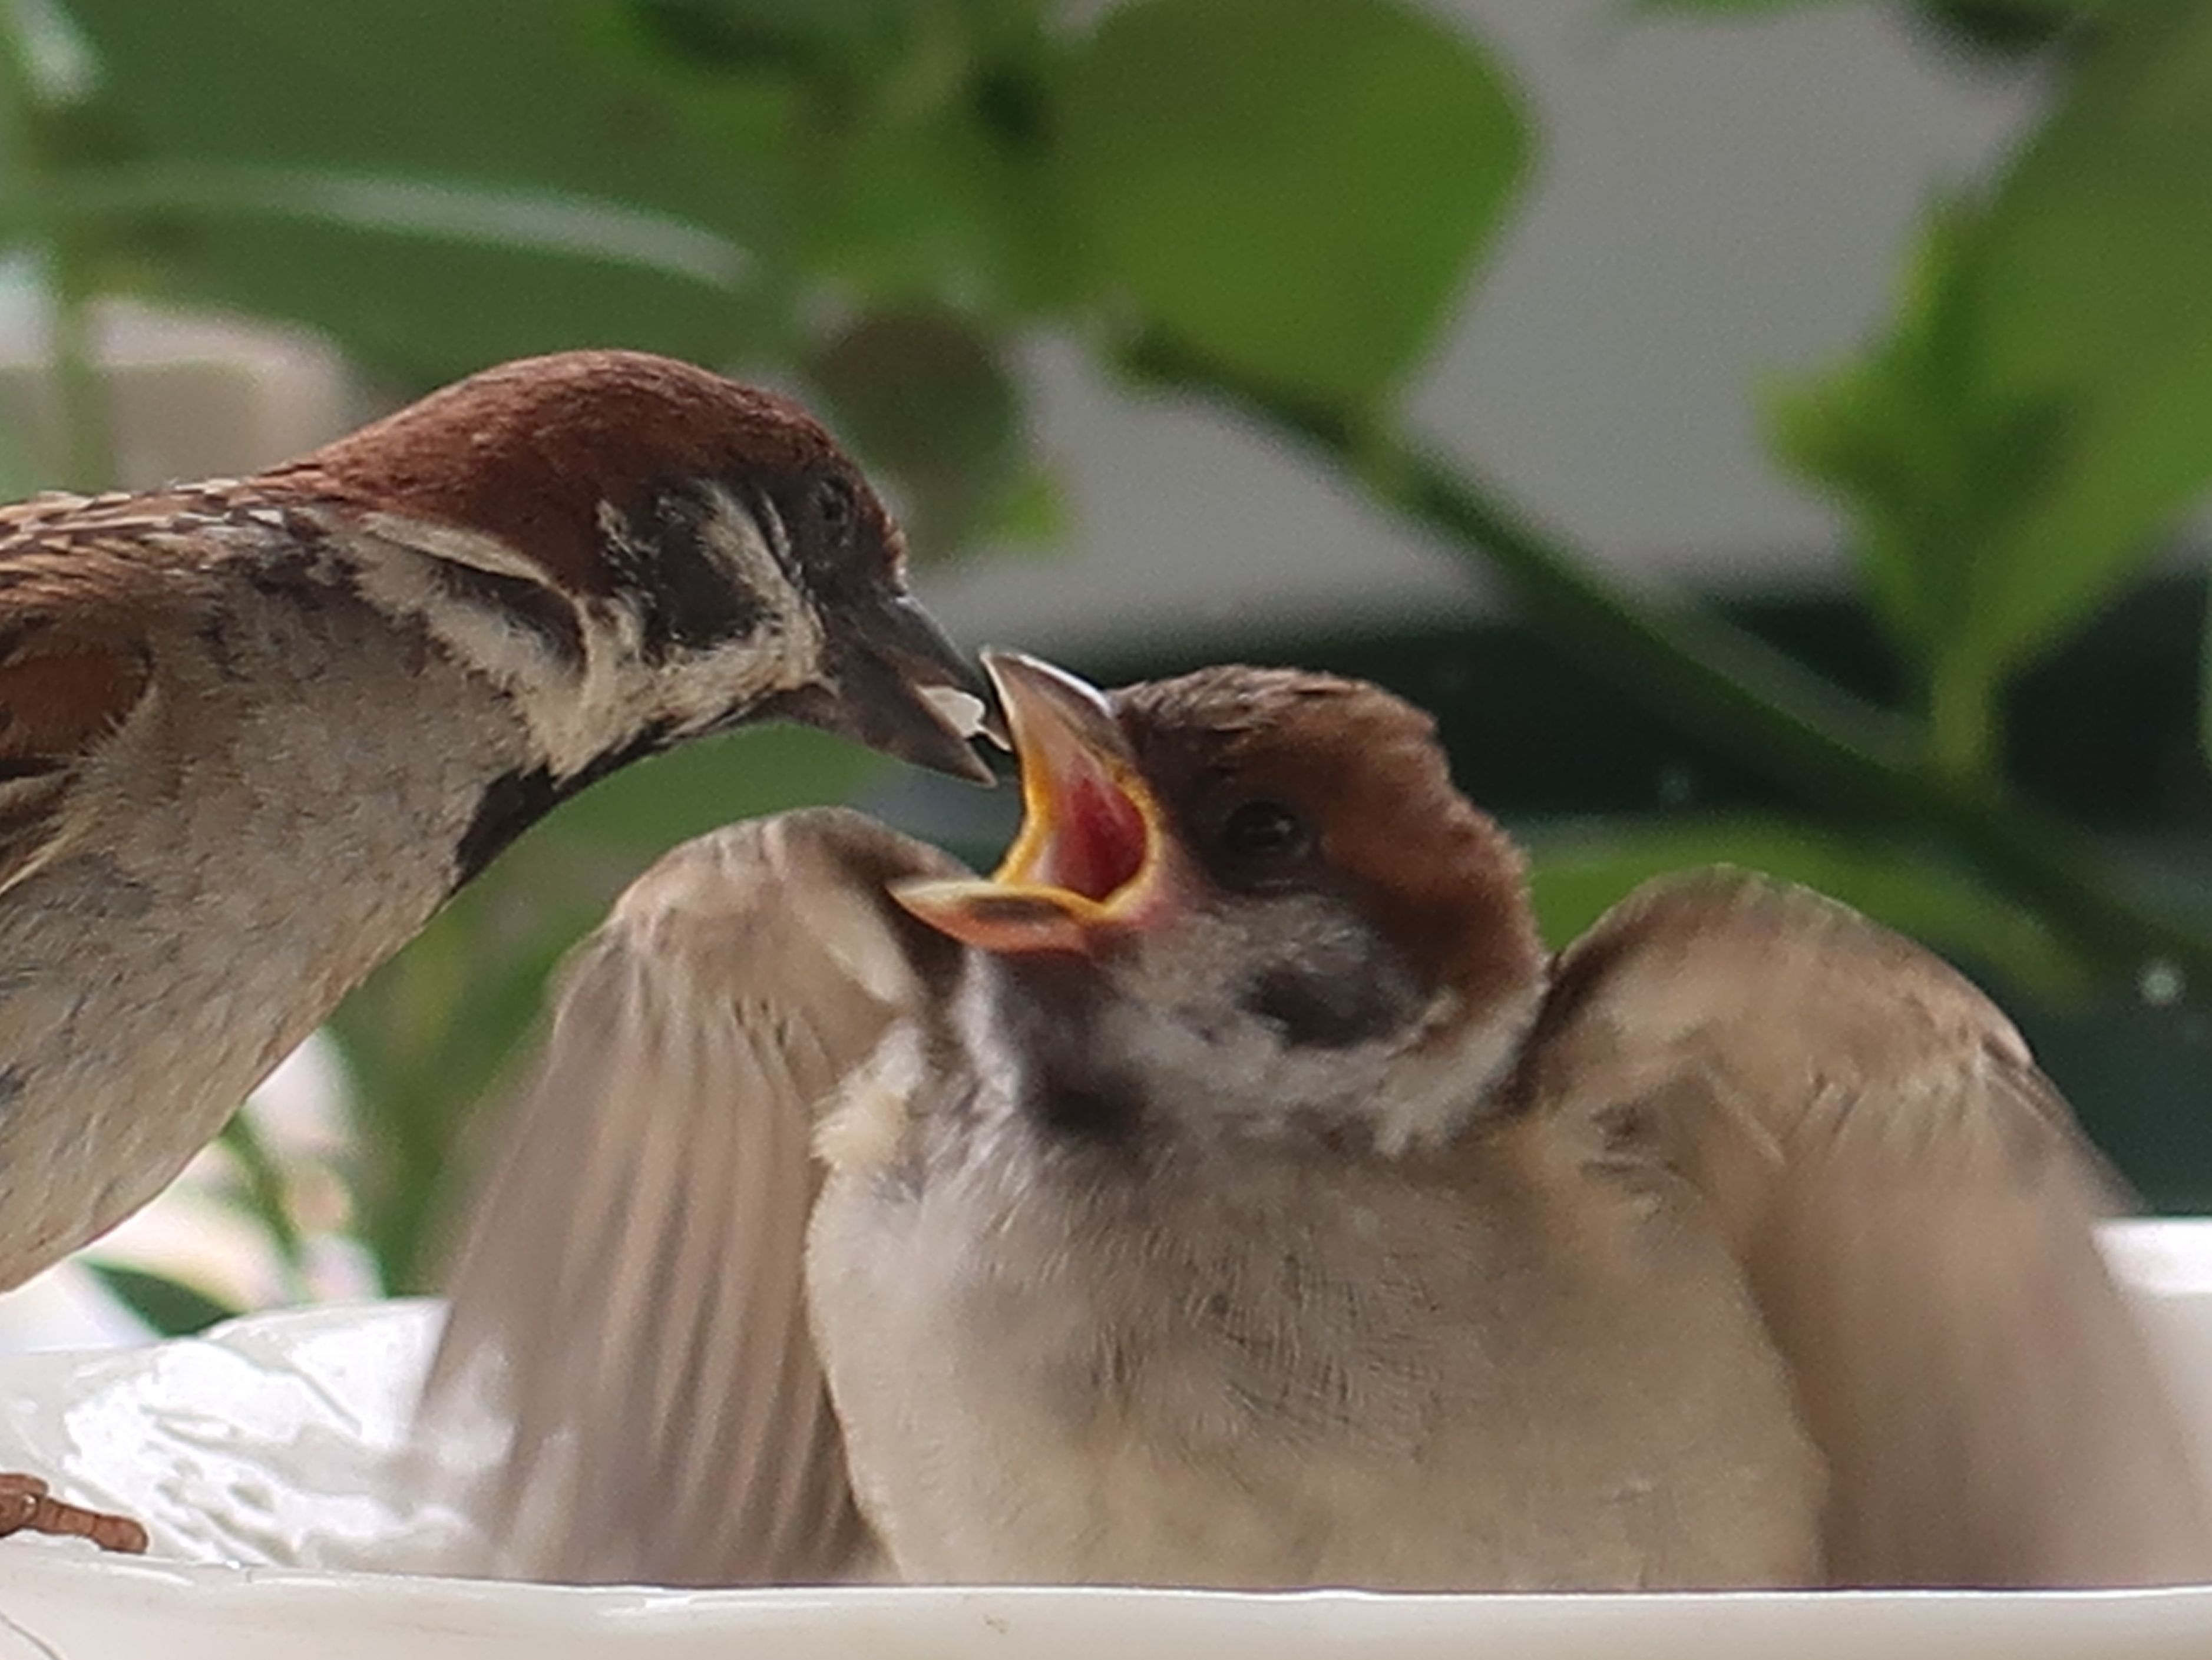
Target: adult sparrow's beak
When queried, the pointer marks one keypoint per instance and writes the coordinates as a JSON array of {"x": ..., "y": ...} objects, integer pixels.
[
  {"x": 1093, "y": 857},
  {"x": 899, "y": 685}
]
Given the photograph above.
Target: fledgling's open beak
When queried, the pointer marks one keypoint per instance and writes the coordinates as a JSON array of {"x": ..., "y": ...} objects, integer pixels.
[{"x": 1091, "y": 859}]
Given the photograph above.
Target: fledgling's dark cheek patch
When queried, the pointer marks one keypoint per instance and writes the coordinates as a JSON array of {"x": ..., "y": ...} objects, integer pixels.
[
  {"x": 1098, "y": 842},
  {"x": 1331, "y": 1010}
]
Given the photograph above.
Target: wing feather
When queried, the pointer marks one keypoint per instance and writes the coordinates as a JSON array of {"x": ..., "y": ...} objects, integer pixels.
[
  {"x": 67, "y": 684},
  {"x": 632, "y": 1287},
  {"x": 1914, "y": 1208}
]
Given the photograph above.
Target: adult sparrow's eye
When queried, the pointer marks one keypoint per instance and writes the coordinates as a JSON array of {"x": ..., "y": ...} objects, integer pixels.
[
  {"x": 1261, "y": 838},
  {"x": 834, "y": 504}
]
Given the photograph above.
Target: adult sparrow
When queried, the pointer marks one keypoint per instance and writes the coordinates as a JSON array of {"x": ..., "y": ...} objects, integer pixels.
[
  {"x": 1230, "y": 1191},
  {"x": 254, "y": 731}
]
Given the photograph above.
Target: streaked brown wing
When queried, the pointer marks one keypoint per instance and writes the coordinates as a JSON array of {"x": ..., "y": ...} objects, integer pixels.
[
  {"x": 73, "y": 662},
  {"x": 1914, "y": 1208},
  {"x": 632, "y": 1280}
]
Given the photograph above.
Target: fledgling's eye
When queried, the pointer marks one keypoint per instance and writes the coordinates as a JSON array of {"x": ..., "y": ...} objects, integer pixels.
[
  {"x": 1262, "y": 841},
  {"x": 834, "y": 505}
]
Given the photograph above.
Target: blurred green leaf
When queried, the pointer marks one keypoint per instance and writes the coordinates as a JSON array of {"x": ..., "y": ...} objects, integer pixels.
[
  {"x": 880, "y": 146},
  {"x": 567, "y": 226},
  {"x": 499, "y": 302},
  {"x": 1930, "y": 475},
  {"x": 436, "y": 182},
  {"x": 934, "y": 184},
  {"x": 170, "y": 1307},
  {"x": 427, "y": 279},
  {"x": 1934, "y": 474},
  {"x": 1580, "y": 873},
  {"x": 931, "y": 207},
  {"x": 748, "y": 36},
  {"x": 432, "y": 304},
  {"x": 2000, "y": 18},
  {"x": 923, "y": 396},
  {"x": 1724, "y": 8},
  {"x": 2091, "y": 288},
  {"x": 2006, "y": 28},
  {"x": 2042, "y": 408},
  {"x": 1298, "y": 187},
  {"x": 573, "y": 97}
]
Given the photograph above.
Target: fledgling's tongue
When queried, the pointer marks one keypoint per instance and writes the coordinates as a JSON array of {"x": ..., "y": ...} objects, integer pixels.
[{"x": 1097, "y": 841}]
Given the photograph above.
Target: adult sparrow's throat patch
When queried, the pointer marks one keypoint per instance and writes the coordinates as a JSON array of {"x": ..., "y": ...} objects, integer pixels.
[{"x": 1089, "y": 857}]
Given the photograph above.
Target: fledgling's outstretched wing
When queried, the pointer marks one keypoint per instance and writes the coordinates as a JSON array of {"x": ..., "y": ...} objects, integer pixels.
[
  {"x": 1913, "y": 1206},
  {"x": 631, "y": 1290}
]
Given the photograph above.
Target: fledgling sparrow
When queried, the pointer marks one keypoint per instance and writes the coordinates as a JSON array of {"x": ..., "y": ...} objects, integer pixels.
[
  {"x": 1231, "y": 1192},
  {"x": 254, "y": 731}
]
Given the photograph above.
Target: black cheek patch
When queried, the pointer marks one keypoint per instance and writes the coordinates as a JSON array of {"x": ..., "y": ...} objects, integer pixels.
[
  {"x": 1322, "y": 1009},
  {"x": 686, "y": 599}
]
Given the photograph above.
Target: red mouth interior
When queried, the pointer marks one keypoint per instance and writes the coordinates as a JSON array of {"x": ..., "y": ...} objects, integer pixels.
[{"x": 1097, "y": 839}]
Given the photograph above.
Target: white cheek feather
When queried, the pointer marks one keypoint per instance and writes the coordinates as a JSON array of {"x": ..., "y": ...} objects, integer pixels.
[{"x": 574, "y": 717}]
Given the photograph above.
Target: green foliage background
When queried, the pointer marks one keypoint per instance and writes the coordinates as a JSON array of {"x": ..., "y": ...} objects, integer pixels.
[{"x": 1276, "y": 205}]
